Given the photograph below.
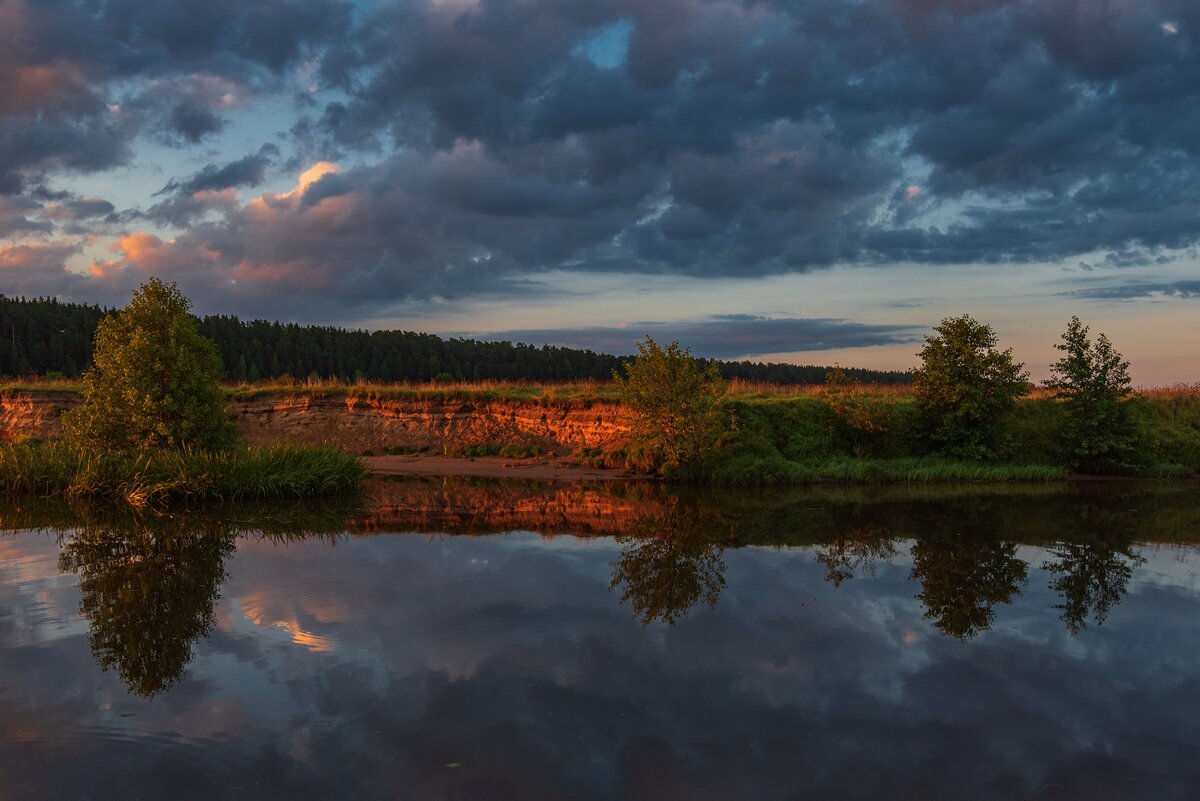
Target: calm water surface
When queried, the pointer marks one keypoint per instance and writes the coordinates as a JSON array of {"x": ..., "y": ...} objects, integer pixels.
[{"x": 962, "y": 645}]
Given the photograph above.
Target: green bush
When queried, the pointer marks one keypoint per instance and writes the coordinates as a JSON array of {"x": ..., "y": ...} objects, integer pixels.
[
  {"x": 154, "y": 380},
  {"x": 965, "y": 387},
  {"x": 1101, "y": 431},
  {"x": 678, "y": 414},
  {"x": 857, "y": 422}
]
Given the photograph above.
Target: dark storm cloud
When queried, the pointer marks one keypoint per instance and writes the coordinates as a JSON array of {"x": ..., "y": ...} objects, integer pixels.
[
  {"x": 1140, "y": 289},
  {"x": 702, "y": 137},
  {"x": 723, "y": 336},
  {"x": 193, "y": 122},
  {"x": 203, "y": 191},
  {"x": 79, "y": 81},
  {"x": 749, "y": 139}
]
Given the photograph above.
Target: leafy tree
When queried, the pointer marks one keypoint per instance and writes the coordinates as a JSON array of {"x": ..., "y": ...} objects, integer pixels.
[
  {"x": 1092, "y": 379},
  {"x": 678, "y": 414},
  {"x": 965, "y": 386},
  {"x": 153, "y": 380}
]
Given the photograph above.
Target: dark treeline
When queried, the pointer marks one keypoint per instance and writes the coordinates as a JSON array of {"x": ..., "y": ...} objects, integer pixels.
[{"x": 43, "y": 336}]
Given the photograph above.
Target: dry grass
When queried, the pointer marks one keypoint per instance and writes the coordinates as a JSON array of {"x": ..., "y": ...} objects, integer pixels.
[
  {"x": 759, "y": 390},
  {"x": 544, "y": 392},
  {"x": 39, "y": 384},
  {"x": 1170, "y": 392},
  {"x": 739, "y": 389}
]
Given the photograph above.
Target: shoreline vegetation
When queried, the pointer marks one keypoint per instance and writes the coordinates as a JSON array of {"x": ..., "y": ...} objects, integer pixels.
[
  {"x": 783, "y": 434},
  {"x": 177, "y": 476}
]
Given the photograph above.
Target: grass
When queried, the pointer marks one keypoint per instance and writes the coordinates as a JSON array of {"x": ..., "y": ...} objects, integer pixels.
[
  {"x": 511, "y": 450},
  {"x": 175, "y": 477},
  {"x": 752, "y": 471},
  {"x": 582, "y": 392}
]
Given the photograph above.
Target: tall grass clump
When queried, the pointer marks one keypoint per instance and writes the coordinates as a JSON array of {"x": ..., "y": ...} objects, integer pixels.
[{"x": 165, "y": 477}]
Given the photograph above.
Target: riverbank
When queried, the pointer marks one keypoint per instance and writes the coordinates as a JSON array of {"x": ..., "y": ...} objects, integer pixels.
[
  {"x": 781, "y": 435},
  {"x": 493, "y": 467}
]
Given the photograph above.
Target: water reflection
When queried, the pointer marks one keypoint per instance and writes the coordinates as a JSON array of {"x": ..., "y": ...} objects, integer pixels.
[
  {"x": 149, "y": 584},
  {"x": 857, "y": 549},
  {"x": 147, "y": 588},
  {"x": 964, "y": 576},
  {"x": 1091, "y": 576},
  {"x": 450, "y": 665},
  {"x": 671, "y": 561},
  {"x": 149, "y": 581}
]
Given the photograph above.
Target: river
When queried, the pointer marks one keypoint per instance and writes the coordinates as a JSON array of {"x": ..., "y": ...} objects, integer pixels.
[{"x": 465, "y": 639}]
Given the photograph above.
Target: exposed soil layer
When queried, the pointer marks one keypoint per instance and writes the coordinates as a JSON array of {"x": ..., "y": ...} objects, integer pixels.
[{"x": 366, "y": 424}]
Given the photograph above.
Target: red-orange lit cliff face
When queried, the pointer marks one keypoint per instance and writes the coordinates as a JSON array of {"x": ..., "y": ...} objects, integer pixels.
[{"x": 364, "y": 423}]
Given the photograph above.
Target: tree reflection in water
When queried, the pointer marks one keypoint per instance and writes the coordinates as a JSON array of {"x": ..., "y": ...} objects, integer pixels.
[
  {"x": 671, "y": 561},
  {"x": 964, "y": 577},
  {"x": 856, "y": 549},
  {"x": 148, "y": 582},
  {"x": 1091, "y": 575},
  {"x": 147, "y": 590}
]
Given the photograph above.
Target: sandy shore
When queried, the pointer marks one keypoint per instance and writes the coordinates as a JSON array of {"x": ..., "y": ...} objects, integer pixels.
[{"x": 490, "y": 467}]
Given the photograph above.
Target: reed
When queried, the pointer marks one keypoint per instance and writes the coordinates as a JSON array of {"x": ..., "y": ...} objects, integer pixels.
[{"x": 173, "y": 477}]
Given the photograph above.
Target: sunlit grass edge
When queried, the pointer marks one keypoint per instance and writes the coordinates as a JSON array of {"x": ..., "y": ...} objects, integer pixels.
[
  {"x": 773, "y": 471},
  {"x": 172, "y": 477}
]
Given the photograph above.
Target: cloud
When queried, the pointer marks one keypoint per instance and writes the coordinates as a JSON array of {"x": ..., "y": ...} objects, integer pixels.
[
  {"x": 193, "y": 121},
  {"x": 80, "y": 81},
  {"x": 782, "y": 130},
  {"x": 78, "y": 208},
  {"x": 246, "y": 171},
  {"x": 16, "y": 217},
  {"x": 483, "y": 143},
  {"x": 728, "y": 336},
  {"x": 37, "y": 270},
  {"x": 213, "y": 188},
  {"x": 1139, "y": 289}
]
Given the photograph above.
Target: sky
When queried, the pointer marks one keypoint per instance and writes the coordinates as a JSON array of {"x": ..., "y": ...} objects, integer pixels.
[{"x": 819, "y": 181}]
